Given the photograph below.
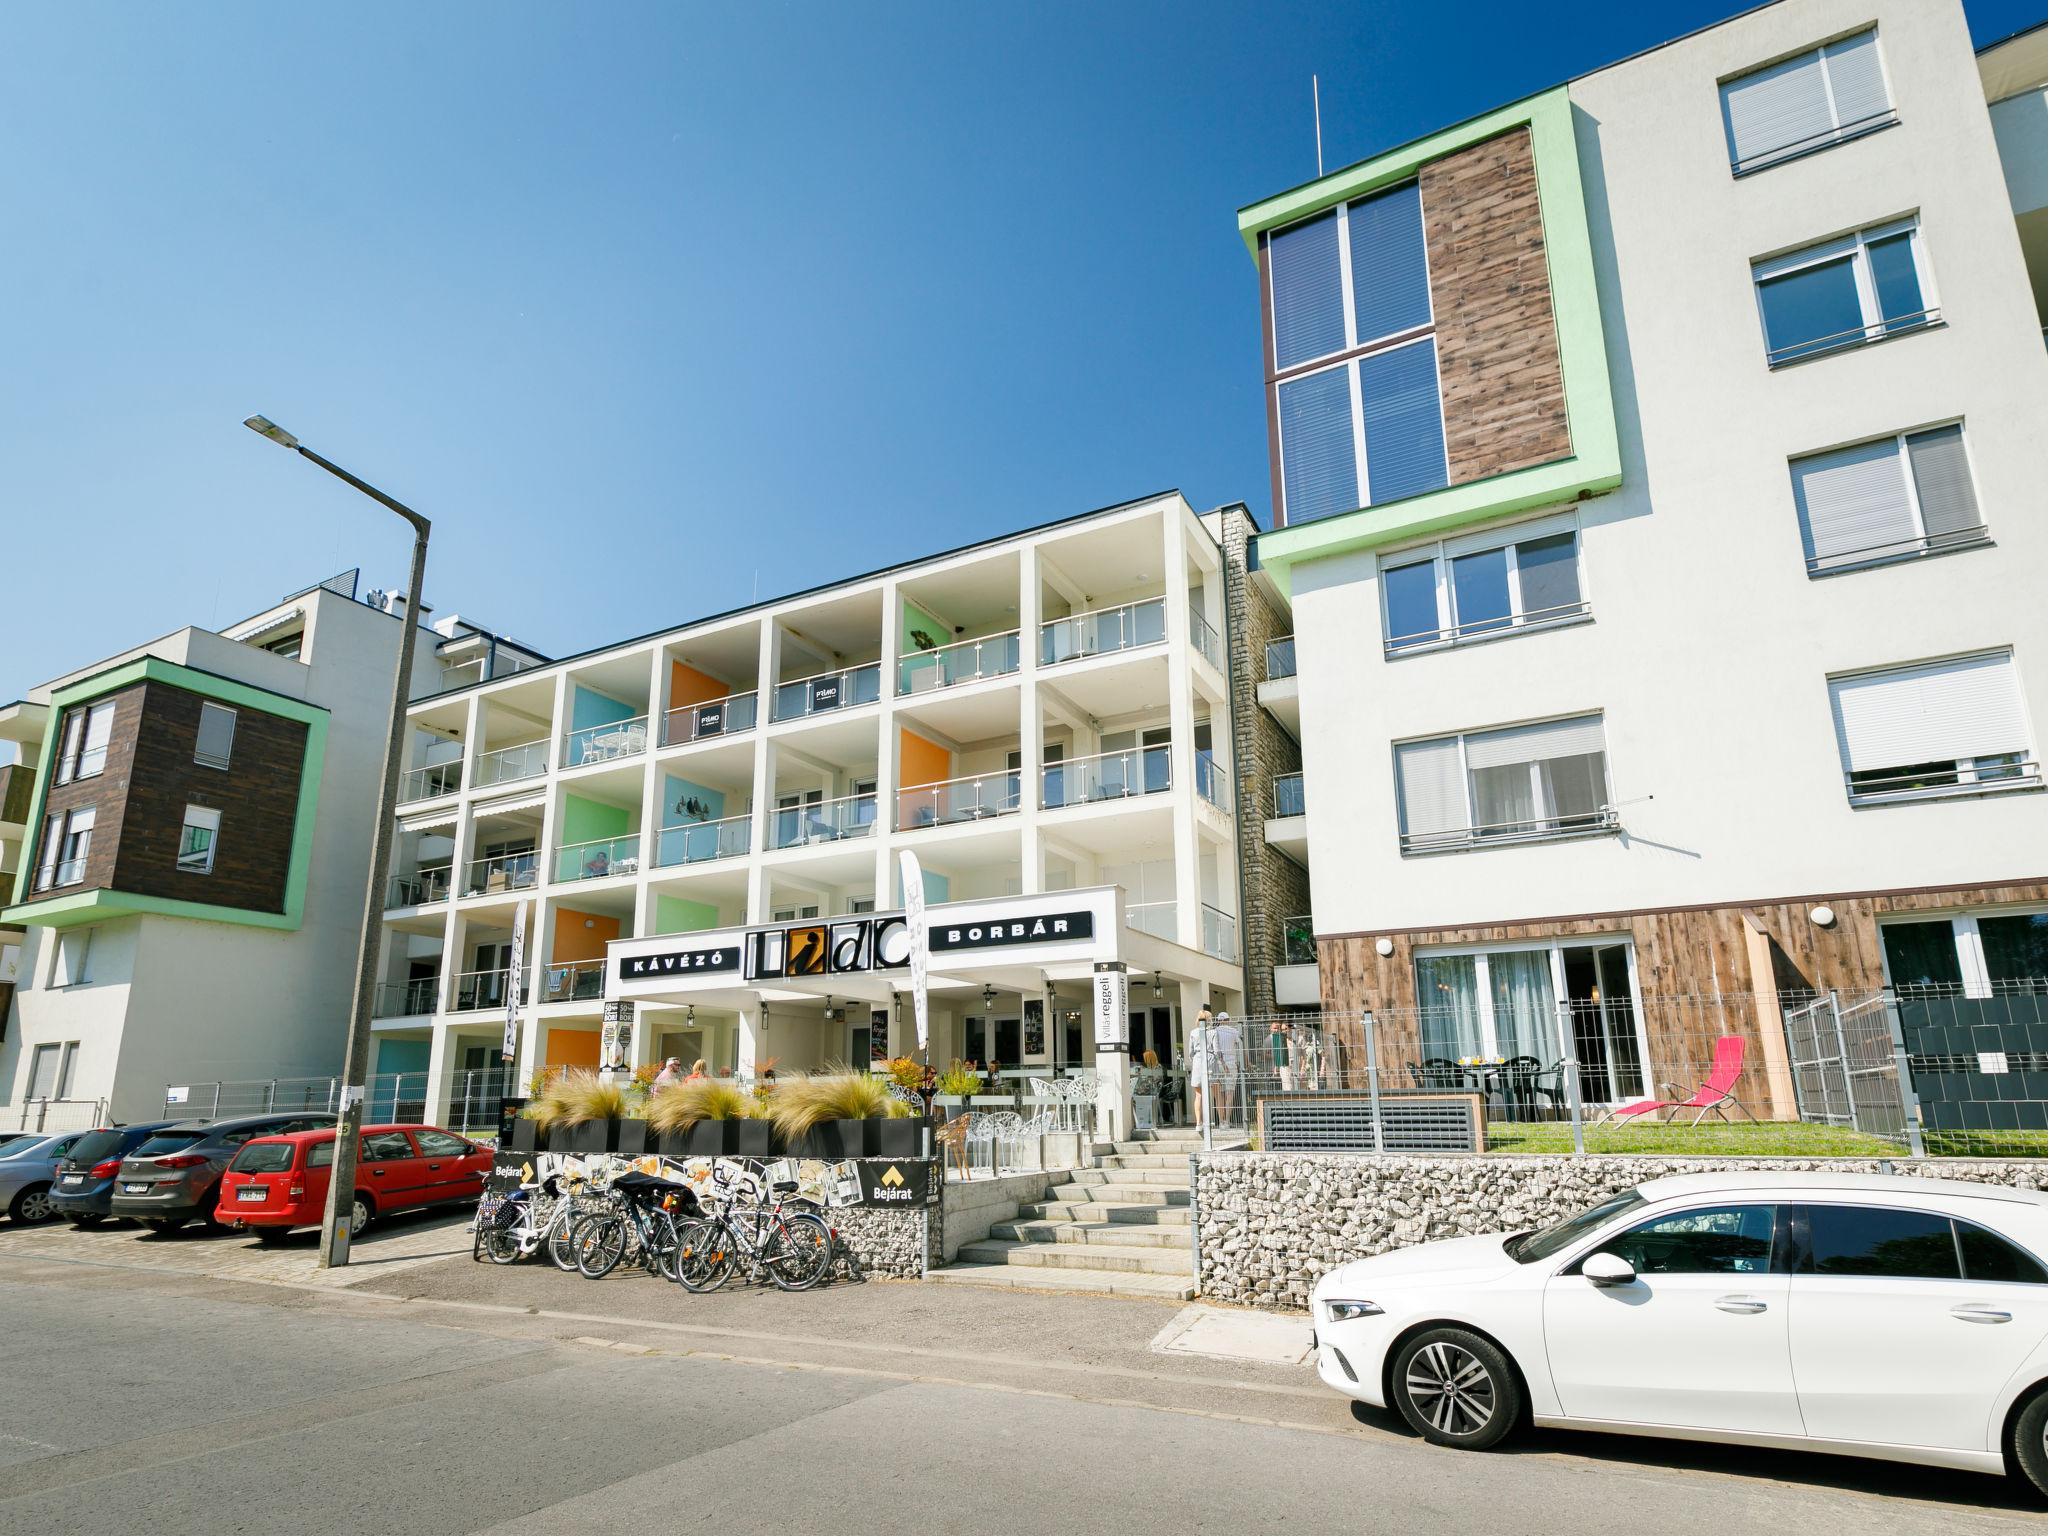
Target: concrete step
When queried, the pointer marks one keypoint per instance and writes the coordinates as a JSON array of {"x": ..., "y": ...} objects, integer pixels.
[
  {"x": 1147, "y": 1160},
  {"x": 1174, "y": 1217},
  {"x": 1121, "y": 1194},
  {"x": 1013, "y": 1277},
  {"x": 1115, "y": 1234},
  {"x": 1172, "y": 1176},
  {"x": 1147, "y": 1261},
  {"x": 1157, "y": 1148}
]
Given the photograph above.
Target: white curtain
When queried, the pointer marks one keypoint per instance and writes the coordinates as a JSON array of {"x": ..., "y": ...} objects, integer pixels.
[
  {"x": 1524, "y": 1005},
  {"x": 1447, "y": 990},
  {"x": 1506, "y": 797}
]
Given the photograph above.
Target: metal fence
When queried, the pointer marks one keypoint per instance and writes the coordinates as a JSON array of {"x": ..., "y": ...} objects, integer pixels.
[
  {"x": 58, "y": 1115},
  {"x": 391, "y": 1098}
]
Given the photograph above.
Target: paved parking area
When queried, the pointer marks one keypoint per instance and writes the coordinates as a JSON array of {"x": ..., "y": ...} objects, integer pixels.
[{"x": 403, "y": 1242}]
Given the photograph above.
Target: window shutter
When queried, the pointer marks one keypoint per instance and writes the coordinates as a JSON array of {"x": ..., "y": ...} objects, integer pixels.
[
  {"x": 1308, "y": 291},
  {"x": 1941, "y": 476},
  {"x": 1404, "y": 422},
  {"x": 1774, "y": 109},
  {"x": 1852, "y": 501},
  {"x": 1928, "y": 714},
  {"x": 1857, "y": 80},
  {"x": 1432, "y": 787},
  {"x": 1534, "y": 743},
  {"x": 1318, "y": 458},
  {"x": 1389, "y": 272}
]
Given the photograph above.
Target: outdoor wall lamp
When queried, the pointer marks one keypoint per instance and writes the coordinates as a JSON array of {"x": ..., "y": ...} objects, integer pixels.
[
  {"x": 1823, "y": 917},
  {"x": 1383, "y": 947}
]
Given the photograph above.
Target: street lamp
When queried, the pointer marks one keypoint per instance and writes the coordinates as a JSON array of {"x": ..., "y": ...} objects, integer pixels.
[{"x": 341, "y": 1183}]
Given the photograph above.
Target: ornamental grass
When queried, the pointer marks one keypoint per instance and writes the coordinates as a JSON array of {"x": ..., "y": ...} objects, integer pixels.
[
  {"x": 681, "y": 1105},
  {"x": 801, "y": 1104}
]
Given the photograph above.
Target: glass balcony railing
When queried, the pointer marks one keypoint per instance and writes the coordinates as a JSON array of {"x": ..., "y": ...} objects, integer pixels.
[
  {"x": 1107, "y": 776},
  {"x": 728, "y": 716},
  {"x": 1154, "y": 917},
  {"x": 423, "y": 887},
  {"x": 406, "y": 999},
  {"x": 503, "y": 872},
  {"x": 957, "y": 800},
  {"x": 1288, "y": 798},
  {"x": 698, "y": 842},
  {"x": 1219, "y": 933},
  {"x": 1279, "y": 659},
  {"x": 824, "y": 821},
  {"x": 1212, "y": 781},
  {"x": 508, "y": 765},
  {"x": 1298, "y": 940},
  {"x": 606, "y": 743},
  {"x": 965, "y": 661},
  {"x": 1102, "y": 632},
  {"x": 575, "y": 981},
  {"x": 828, "y": 691},
  {"x": 476, "y": 990},
  {"x": 599, "y": 857},
  {"x": 430, "y": 780},
  {"x": 1207, "y": 641}
]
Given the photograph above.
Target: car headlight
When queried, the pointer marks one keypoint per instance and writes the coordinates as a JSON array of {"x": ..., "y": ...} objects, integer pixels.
[{"x": 1346, "y": 1311}]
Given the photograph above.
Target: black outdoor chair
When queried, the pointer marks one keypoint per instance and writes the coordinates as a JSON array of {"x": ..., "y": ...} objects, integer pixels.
[
  {"x": 1527, "y": 1080},
  {"x": 1442, "y": 1073}
]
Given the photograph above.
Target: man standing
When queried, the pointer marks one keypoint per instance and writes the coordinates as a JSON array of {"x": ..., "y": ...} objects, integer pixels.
[{"x": 671, "y": 1072}]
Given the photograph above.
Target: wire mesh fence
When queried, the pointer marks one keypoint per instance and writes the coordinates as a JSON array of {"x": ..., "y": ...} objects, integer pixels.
[
  {"x": 56, "y": 1115},
  {"x": 1931, "y": 1072},
  {"x": 390, "y": 1098}
]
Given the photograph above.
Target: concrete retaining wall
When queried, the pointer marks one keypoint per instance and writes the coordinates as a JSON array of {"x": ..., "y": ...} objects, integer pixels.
[{"x": 1272, "y": 1224}]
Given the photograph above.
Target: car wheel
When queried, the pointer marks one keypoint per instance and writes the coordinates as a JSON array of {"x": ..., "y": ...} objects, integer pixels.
[
  {"x": 2030, "y": 1441},
  {"x": 361, "y": 1214},
  {"x": 33, "y": 1205},
  {"x": 1455, "y": 1388}
]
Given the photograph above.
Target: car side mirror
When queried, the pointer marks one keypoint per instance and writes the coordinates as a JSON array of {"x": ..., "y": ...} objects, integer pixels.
[{"x": 1608, "y": 1269}]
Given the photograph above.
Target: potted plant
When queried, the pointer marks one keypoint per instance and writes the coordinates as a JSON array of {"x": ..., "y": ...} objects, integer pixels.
[
  {"x": 957, "y": 1084},
  {"x": 586, "y": 1110},
  {"x": 702, "y": 1118},
  {"x": 828, "y": 1116},
  {"x": 632, "y": 1137}
]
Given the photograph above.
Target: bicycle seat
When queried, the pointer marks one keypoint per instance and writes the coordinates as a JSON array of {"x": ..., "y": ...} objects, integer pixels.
[
  {"x": 637, "y": 1183},
  {"x": 785, "y": 1186}
]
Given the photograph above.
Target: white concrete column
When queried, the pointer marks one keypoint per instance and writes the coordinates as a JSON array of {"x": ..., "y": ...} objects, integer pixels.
[
  {"x": 1030, "y": 721},
  {"x": 1187, "y": 890},
  {"x": 888, "y": 749},
  {"x": 753, "y": 1044},
  {"x": 652, "y": 794},
  {"x": 764, "y": 777},
  {"x": 440, "y": 1056}
]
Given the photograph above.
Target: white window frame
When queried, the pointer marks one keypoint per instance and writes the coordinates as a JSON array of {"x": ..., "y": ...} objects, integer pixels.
[
  {"x": 74, "y": 745},
  {"x": 1861, "y": 561},
  {"x": 1838, "y": 133},
  {"x": 1442, "y": 553},
  {"x": 51, "y": 862},
  {"x": 1469, "y": 839},
  {"x": 1345, "y": 294},
  {"x": 1856, "y": 246},
  {"x": 69, "y": 968},
  {"x": 1969, "y": 942},
  {"x": 1357, "y": 394},
  {"x": 208, "y": 760},
  {"x": 1554, "y": 948},
  {"x": 1974, "y": 776},
  {"x": 203, "y": 817}
]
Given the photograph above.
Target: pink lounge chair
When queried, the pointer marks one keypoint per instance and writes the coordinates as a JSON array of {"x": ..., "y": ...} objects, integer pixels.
[{"x": 1715, "y": 1094}]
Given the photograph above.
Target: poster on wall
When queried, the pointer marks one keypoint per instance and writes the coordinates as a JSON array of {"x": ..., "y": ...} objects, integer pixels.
[
  {"x": 1034, "y": 1028},
  {"x": 878, "y": 1036},
  {"x": 1112, "y": 1006},
  {"x": 514, "y": 966},
  {"x": 920, "y": 946}
]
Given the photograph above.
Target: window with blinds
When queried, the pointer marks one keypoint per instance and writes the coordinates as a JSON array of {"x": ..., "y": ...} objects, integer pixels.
[
  {"x": 1844, "y": 292},
  {"x": 1932, "y": 729},
  {"x": 1523, "y": 783},
  {"x": 1893, "y": 499},
  {"x": 1352, "y": 286},
  {"x": 1820, "y": 98}
]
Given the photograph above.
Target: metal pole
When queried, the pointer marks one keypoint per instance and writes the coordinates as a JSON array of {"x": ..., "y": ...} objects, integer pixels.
[
  {"x": 270, "y": 1097},
  {"x": 1568, "y": 1045},
  {"x": 1842, "y": 1055},
  {"x": 1372, "y": 1078},
  {"x": 1909, "y": 1098}
]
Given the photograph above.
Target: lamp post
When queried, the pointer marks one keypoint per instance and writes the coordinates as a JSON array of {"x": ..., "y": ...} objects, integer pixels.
[{"x": 341, "y": 1183}]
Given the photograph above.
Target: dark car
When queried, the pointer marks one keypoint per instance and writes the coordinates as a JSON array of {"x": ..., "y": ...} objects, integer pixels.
[
  {"x": 84, "y": 1183},
  {"x": 174, "y": 1176}
]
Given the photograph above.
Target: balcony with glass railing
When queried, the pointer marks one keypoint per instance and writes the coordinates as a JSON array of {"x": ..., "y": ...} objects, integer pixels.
[
  {"x": 700, "y": 842},
  {"x": 710, "y": 719},
  {"x": 430, "y": 780},
  {"x": 406, "y": 999},
  {"x": 1103, "y": 632},
  {"x": 1279, "y": 659},
  {"x": 610, "y": 742},
  {"x": 598, "y": 858},
  {"x": 476, "y": 990},
  {"x": 425, "y": 886},
  {"x": 964, "y": 661},
  {"x": 953, "y": 801},
  {"x": 1212, "y": 781},
  {"x": 823, "y": 821},
  {"x": 1288, "y": 797},
  {"x": 509, "y": 765},
  {"x": 502, "y": 872},
  {"x": 825, "y": 692},
  {"x": 1158, "y": 918},
  {"x": 1219, "y": 933},
  {"x": 1207, "y": 641},
  {"x": 1298, "y": 940},
  {"x": 1107, "y": 776},
  {"x": 574, "y": 981}
]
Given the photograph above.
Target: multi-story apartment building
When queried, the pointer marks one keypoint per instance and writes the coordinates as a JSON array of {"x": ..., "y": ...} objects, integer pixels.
[
  {"x": 1656, "y": 467},
  {"x": 191, "y": 862},
  {"x": 718, "y": 810}
]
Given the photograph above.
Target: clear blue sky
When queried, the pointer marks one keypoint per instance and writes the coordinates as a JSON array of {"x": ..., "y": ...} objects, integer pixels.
[{"x": 644, "y": 304}]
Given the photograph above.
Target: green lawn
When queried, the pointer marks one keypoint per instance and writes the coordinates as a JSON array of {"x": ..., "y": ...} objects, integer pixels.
[{"x": 1771, "y": 1138}]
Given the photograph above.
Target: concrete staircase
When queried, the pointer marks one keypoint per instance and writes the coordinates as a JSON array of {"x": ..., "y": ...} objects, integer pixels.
[{"x": 1119, "y": 1228}]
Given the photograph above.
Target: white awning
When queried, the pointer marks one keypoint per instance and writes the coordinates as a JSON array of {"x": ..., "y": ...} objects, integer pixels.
[
  {"x": 431, "y": 821},
  {"x": 525, "y": 802}
]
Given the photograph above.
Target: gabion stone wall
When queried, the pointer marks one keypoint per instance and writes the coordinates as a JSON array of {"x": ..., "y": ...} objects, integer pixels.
[
  {"x": 1273, "y": 1224},
  {"x": 889, "y": 1243}
]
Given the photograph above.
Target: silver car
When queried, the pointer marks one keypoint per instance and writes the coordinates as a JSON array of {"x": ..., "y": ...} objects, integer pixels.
[
  {"x": 27, "y": 1167},
  {"x": 174, "y": 1177}
]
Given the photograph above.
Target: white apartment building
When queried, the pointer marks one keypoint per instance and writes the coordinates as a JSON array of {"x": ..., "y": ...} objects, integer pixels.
[
  {"x": 1657, "y": 463},
  {"x": 1041, "y": 718}
]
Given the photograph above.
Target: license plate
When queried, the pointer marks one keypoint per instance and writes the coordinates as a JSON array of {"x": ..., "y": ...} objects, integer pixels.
[
  {"x": 72, "y": 1178},
  {"x": 134, "y": 1189},
  {"x": 251, "y": 1192}
]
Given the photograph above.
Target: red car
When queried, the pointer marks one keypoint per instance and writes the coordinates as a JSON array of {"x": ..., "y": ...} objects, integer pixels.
[{"x": 276, "y": 1183}]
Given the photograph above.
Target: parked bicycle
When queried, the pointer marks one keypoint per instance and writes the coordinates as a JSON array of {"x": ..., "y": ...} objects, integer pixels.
[
  {"x": 642, "y": 1222},
  {"x": 793, "y": 1247}
]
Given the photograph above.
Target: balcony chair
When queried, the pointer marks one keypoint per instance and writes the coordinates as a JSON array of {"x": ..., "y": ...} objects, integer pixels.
[{"x": 1715, "y": 1094}]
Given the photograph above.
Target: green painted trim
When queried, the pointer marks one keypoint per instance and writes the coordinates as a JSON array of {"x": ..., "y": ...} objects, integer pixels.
[
  {"x": 56, "y": 911},
  {"x": 1594, "y": 464}
]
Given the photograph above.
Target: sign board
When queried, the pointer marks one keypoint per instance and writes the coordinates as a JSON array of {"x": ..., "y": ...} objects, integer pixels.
[
  {"x": 918, "y": 933},
  {"x": 711, "y": 719},
  {"x": 514, "y": 968},
  {"x": 1112, "y": 1006},
  {"x": 825, "y": 691},
  {"x": 905, "y": 1184},
  {"x": 178, "y": 1095},
  {"x": 615, "y": 1042}
]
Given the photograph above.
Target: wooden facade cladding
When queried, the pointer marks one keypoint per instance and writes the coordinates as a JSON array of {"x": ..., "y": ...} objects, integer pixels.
[{"x": 1489, "y": 280}]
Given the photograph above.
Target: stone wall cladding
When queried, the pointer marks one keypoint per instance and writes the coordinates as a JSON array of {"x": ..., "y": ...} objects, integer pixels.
[
  {"x": 1271, "y": 1225},
  {"x": 892, "y": 1244},
  {"x": 1489, "y": 279},
  {"x": 1275, "y": 888}
]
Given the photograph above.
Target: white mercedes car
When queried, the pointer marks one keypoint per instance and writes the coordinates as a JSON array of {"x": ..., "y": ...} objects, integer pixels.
[{"x": 1870, "y": 1315}]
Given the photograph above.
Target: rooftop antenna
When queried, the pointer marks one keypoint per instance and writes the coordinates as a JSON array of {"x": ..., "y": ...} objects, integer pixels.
[{"x": 1315, "y": 86}]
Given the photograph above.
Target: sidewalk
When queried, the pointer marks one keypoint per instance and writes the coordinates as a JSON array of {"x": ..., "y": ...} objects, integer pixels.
[{"x": 405, "y": 1242}]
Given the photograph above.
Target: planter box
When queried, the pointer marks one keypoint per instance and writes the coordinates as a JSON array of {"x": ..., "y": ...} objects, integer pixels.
[
  {"x": 525, "y": 1137},
  {"x": 590, "y": 1136},
  {"x": 832, "y": 1140},
  {"x": 896, "y": 1138},
  {"x": 634, "y": 1139},
  {"x": 752, "y": 1138},
  {"x": 674, "y": 1144}
]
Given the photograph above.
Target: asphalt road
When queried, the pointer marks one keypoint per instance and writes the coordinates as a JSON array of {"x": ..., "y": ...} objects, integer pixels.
[{"x": 458, "y": 1398}]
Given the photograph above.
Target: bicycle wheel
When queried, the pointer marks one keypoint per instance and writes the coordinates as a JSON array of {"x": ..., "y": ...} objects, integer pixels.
[
  {"x": 600, "y": 1243},
  {"x": 659, "y": 1252},
  {"x": 501, "y": 1244},
  {"x": 561, "y": 1243},
  {"x": 704, "y": 1256},
  {"x": 797, "y": 1252}
]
